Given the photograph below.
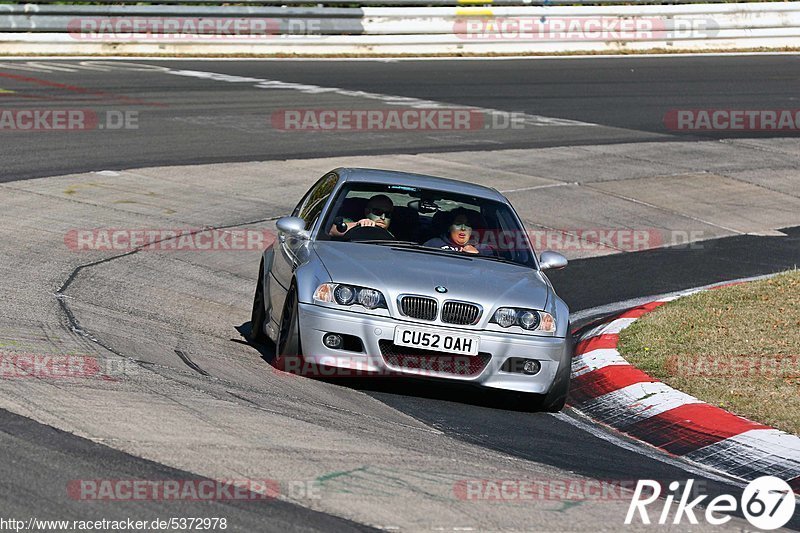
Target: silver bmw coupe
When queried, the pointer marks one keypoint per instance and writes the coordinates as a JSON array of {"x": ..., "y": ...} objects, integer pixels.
[{"x": 383, "y": 273}]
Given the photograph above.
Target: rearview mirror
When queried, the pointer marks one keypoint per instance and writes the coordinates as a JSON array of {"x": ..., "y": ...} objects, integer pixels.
[
  {"x": 293, "y": 227},
  {"x": 552, "y": 261},
  {"x": 423, "y": 206}
]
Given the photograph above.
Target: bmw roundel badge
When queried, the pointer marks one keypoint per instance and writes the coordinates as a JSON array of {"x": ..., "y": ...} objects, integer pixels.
[{"x": 441, "y": 289}]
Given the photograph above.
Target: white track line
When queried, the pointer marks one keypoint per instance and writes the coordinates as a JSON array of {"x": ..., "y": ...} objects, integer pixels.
[
  {"x": 388, "y": 99},
  {"x": 610, "y": 328},
  {"x": 596, "y": 359},
  {"x": 758, "y": 450},
  {"x": 641, "y": 448},
  {"x": 407, "y": 58},
  {"x": 640, "y": 401},
  {"x": 262, "y": 83}
]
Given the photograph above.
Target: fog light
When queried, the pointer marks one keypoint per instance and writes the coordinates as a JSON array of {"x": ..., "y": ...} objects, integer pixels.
[
  {"x": 531, "y": 367},
  {"x": 332, "y": 340}
]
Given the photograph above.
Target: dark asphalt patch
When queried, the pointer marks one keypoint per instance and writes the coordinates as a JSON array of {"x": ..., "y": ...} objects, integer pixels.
[
  {"x": 39, "y": 462},
  {"x": 479, "y": 417},
  {"x": 187, "y": 120}
]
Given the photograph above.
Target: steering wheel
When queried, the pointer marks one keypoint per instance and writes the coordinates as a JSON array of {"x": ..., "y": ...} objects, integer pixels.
[{"x": 368, "y": 233}]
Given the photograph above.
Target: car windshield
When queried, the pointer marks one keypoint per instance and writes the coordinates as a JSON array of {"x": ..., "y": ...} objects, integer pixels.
[{"x": 429, "y": 220}]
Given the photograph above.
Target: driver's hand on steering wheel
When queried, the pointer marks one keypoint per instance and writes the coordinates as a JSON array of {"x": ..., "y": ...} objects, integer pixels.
[{"x": 365, "y": 223}]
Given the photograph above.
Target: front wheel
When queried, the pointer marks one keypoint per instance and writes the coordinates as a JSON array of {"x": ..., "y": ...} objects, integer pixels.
[
  {"x": 555, "y": 400},
  {"x": 258, "y": 317},
  {"x": 289, "y": 354}
]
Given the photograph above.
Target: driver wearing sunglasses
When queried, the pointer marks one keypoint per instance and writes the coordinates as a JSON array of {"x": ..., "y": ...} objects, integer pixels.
[
  {"x": 377, "y": 213},
  {"x": 458, "y": 234}
]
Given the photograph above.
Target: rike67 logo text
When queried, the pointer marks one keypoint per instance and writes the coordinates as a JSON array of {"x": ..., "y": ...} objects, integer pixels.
[{"x": 767, "y": 503}]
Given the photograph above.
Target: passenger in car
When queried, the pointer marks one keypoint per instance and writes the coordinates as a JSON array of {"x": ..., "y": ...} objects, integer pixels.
[
  {"x": 378, "y": 213},
  {"x": 460, "y": 226}
]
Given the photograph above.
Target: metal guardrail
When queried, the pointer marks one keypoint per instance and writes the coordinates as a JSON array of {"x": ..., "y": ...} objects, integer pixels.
[
  {"x": 398, "y": 3},
  {"x": 292, "y": 29}
]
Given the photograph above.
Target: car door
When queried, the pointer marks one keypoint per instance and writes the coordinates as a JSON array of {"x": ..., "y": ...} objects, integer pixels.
[{"x": 290, "y": 252}]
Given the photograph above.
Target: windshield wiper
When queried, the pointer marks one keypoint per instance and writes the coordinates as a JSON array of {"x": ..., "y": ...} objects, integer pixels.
[
  {"x": 417, "y": 247},
  {"x": 450, "y": 253},
  {"x": 388, "y": 242},
  {"x": 501, "y": 260}
]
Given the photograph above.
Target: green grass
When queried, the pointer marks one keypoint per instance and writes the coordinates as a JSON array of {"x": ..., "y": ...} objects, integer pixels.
[{"x": 737, "y": 347}]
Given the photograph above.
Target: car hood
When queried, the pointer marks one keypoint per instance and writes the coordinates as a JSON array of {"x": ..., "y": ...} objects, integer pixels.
[{"x": 396, "y": 271}]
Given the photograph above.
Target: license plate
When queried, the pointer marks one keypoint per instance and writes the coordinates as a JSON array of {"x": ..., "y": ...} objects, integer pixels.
[{"x": 437, "y": 340}]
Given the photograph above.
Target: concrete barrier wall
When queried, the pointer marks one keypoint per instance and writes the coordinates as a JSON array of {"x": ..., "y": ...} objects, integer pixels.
[{"x": 236, "y": 30}]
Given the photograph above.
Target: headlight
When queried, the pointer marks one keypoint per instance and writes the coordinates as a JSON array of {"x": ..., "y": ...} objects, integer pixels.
[
  {"x": 527, "y": 319},
  {"x": 348, "y": 295},
  {"x": 344, "y": 294},
  {"x": 370, "y": 298},
  {"x": 505, "y": 316}
]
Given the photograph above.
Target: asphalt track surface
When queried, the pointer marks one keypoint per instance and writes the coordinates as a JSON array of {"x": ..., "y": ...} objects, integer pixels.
[
  {"x": 39, "y": 461},
  {"x": 626, "y": 97},
  {"x": 189, "y": 120}
]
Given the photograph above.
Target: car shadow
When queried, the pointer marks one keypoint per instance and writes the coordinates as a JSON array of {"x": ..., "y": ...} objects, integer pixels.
[
  {"x": 265, "y": 350},
  {"x": 431, "y": 389},
  {"x": 424, "y": 388}
]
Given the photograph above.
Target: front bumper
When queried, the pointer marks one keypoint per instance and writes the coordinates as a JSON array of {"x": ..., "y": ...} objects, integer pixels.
[{"x": 316, "y": 321}]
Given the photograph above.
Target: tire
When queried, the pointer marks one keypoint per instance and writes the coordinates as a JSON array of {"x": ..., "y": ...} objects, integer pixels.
[
  {"x": 259, "y": 315},
  {"x": 288, "y": 352},
  {"x": 554, "y": 401}
]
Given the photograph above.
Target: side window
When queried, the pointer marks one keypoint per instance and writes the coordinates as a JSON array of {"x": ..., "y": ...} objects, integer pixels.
[
  {"x": 515, "y": 240},
  {"x": 311, "y": 206}
]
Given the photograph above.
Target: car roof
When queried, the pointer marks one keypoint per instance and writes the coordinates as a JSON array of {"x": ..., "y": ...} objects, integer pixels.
[{"x": 408, "y": 179}]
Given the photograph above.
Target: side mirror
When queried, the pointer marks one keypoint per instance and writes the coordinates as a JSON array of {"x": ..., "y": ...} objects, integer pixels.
[
  {"x": 552, "y": 261},
  {"x": 293, "y": 227}
]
